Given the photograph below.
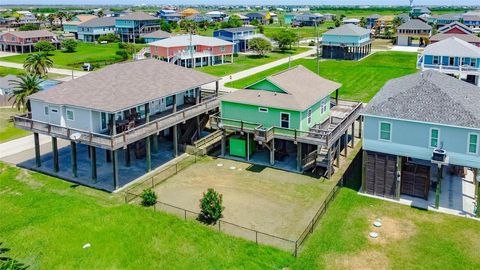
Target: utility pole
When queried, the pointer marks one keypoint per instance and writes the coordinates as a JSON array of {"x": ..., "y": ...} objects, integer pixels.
[{"x": 318, "y": 51}]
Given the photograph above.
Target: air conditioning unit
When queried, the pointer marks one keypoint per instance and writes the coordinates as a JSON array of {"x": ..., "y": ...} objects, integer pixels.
[{"x": 439, "y": 155}]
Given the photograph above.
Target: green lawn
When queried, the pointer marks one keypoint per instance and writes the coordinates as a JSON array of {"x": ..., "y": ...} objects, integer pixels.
[
  {"x": 7, "y": 130},
  {"x": 244, "y": 62},
  {"x": 360, "y": 80},
  {"x": 408, "y": 239},
  {"x": 101, "y": 54},
  {"x": 302, "y": 32},
  {"x": 4, "y": 71},
  {"x": 46, "y": 221}
]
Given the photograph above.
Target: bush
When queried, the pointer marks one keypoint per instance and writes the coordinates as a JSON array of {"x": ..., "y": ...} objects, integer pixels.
[
  {"x": 235, "y": 54},
  {"x": 69, "y": 45},
  {"x": 122, "y": 53},
  {"x": 149, "y": 197},
  {"x": 311, "y": 43},
  {"x": 140, "y": 40},
  {"x": 110, "y": 38},
  {"x": 211, "y": 207},
  {"x": 44, "y": 46},
  {"x": 260, "y": 45},
  {"x": 29, "y": 27},
  {"x": 122, "y": 45}
]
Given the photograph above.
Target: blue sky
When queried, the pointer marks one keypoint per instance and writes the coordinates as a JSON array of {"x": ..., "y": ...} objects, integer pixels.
[{"x": 249, "y": 2}]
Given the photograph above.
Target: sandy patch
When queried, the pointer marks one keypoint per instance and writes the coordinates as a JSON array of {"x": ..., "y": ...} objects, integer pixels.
[
  {"x": 392, "y": 230},
  {"x": 372, "y": 260}
]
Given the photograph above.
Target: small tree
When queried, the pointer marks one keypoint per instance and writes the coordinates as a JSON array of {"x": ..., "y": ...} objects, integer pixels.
[
  {"x": 337, "y": 22},
  {"x": 44, "y": 46},
  {"x": 363, "y": 22},
  {"x": 69, "y": 45},
  {"x": 149, "y": 197},
  {"x": 285, "y": 39},
  {"x": 123, "y": 54},
  {"x": 211, "y": 207},
  {"x": 29, "y": 27},
  {"x": 110, "y": 37},
  {"x": 260, "y": 45}
]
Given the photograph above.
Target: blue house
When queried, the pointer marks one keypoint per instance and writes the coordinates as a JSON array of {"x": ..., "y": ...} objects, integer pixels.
[
  {"x": 472, "y": 20},
  {"x": 309, "y": 19},
  {"x": 452, "y": 56},
  {"x": 71, "y": 26},
  {"x": 239, "y": 36},
  {"x": 416, "y": 129},
  {"x": 156, "y": 36},
  {"x": 372, "y": 20},
  {"x": 347, "y": 42},
  {"x": 288, "y": 18},
  {"x": 91, "y": 30},
  {"x": 131, "y": 26}
]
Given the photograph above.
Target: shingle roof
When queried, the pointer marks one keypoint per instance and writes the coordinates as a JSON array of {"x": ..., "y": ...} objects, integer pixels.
[
  {"x": 121, "y": 86},
  {"x": 238, "y": 29},
  {"x": 157, "y": 34},
  {"x": 99, "y": 22},
  {"x": 137, "y": 16},
  {"x": 455, "y": 24},
  {"x": 415, "y": 24},
  {"x": 452, "y": 47},
  {"x": 31, "y": 34},
  {"x": 81, "y": 19},
  {"x": 348, "y": 30},
  {"x": 467, "y": 38},
  {"x": 184, "y": 40},
  {"x": 303, "y": 89},
  {"x": 428, "y": 96}
]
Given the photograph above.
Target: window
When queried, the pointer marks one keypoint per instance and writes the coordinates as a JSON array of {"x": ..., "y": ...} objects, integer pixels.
[
  {"x": 222, "y": 49},
  {"x": 434, "y": 137},
  {"x": 473, "y": 62},
  {"x": 385, "y": 131},
  {"x": 451, "y": 61},
  {"x": 436, "y": 60},
  {"x": 169, "y": 101},
  {"x": 70, "y": 115},
  {"x": 103, "y": 121},
  {"x": 309, "y": 116},
  {"x": 45, "y": 110},
  {"x": 264, "y": 110},
  {"x": 285, "y": 120},
  {"x": 472, "y": 143},
  {"x": 324, "y": 106}
]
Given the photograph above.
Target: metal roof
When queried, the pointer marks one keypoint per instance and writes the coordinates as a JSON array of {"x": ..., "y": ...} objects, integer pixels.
[
  {"x": 348, "y": 30},
  {"x": 414, "y": 24},
  {"x": 452, "y": 47},
  {"x": 184, "y": 40},
  {"x": 99, "y": 22}
]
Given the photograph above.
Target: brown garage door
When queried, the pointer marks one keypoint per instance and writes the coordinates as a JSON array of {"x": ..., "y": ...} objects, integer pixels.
[
  {"x": 415, "y": 180},
  {"x": 380, "y": 174}
]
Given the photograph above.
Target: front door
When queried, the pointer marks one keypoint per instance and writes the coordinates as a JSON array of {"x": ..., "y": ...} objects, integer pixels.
[{"x": 55, "y": 115}]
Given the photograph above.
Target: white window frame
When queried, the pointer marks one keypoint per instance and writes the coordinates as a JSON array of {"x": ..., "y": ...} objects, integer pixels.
[
  {"x": 437, "y": 58},
  {"x": 262, "y": 109},
  {"x": 309, "y": 116},
  {"x": 281, "y": 113},
  {"x": 380, "y": 131},
  {"x": 430, "y": 138},
  {"x": 73, "y": 114},
  {"x": 106, "y": 121},
  {"x": 46, "y": 110},
  {"x": 468, "y": 143}
]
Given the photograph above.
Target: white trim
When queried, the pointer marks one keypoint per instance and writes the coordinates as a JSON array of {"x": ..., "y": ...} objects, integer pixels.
[
  {"x": 262, "y": 109},
  {"x": 380, "y": 131},
  {"x": 289, "y": 119},
  {"x": 91, "y": 121},
  {"x": 73, "y": 115},
  {"x": 430, "y": 138},
  {"x": 468, "y": 144}
]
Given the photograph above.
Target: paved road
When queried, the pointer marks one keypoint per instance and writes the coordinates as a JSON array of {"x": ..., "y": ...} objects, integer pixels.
[
  {"x": 249, "y": 72},
  {"x": 61, "y": 71},
  {"x": 15, "y": 146}
]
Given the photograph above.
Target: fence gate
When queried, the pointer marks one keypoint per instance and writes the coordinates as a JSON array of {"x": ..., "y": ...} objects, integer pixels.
[{"x": 380, "y": 174}]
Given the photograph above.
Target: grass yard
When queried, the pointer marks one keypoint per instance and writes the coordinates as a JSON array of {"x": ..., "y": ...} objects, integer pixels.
[
  {"x": 260, "y": 198},
  {"x": 302, "y": 32},
  {"x": 244, "y": 62},
  {"x": 408, "y": 239},
  {"x": 7, "y": 130},
  {"x": 4, "y": 71},
  {"x": 46, "y": 221},
  {"x": 102, "y": 54},
  {"x": 360, "y": 80}
]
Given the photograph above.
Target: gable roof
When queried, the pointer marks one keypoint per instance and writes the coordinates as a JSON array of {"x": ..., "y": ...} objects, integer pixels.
[
  {"x": 137, "y": 16},
  {"x": 348, "y": 30},
  {"x": 238, "y": 29},
  {"x": 467, "y": 38},
  {"x": 414, "y": 24},
  {"x": 458, "y": 25},
  {"x": 157, "y": 34},
  {"x": 302, "y": 88},
  {"x": 452, "y": 47},
  {"x": 124, "y": 85},
  {"x": 428, "y": 96},
  {"x": 184, "y": 40},
  {"x": 81, "y": 19},
  {"x": 99, "y": 22},
  {"x": 31, "y": 34}
]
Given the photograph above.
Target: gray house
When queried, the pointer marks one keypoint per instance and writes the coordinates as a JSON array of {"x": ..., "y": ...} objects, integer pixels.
[{"x": 122, "y": 109}]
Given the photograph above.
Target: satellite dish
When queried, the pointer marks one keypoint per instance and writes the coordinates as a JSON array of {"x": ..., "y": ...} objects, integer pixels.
[{"x": 75, "y": 136}]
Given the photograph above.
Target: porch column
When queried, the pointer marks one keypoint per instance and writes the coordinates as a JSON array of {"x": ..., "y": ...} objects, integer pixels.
[
  {"x": 299, "y": 156},
  {"x": 231, "y": 58},
  {"x": 55, "y": 154},
  {"x": 439, "y": 186},
  {"x": 175, "y": 128},
  {"x": 93, "y": 163},
  {"x": 329, "y": 163},
  {"x": 197, "y": 95},
  {"x": 38, "y": 159},
  {"x": 126, "y": 154},
  {"x": 360, "y": 120},
  {"x": 399, "y": 177},
  {"x": 364, "y": 171},
  {"x": 272, "y": 152},
  {"x": 477, "y": 190},
  {"x": 248, "y": 146},
  {"x": 336, "y": 97},
  {"x": 155, "y": 142},
  {"x": 73, "y": 146},
  {"x": 222, "y": 151},
  {"x": 217, "y": 86},
  {"x": 115, "y": 168},
  {"x": 148, "y": 157},
  {"x": 353, "y": 134},
  {"x": 338, "y": 154},
  {"x": 345, "y": 144},
  {"x": 222, "y": 58},
  {"x": 199, "y": 128}
]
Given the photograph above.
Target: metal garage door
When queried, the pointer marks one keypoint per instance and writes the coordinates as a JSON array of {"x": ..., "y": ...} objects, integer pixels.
[{"x": 380, "y": 174}]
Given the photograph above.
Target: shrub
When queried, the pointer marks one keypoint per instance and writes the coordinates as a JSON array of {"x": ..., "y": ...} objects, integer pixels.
[
  {"x": 29, "y": 27},
  {"x": 44, "y": 46},
  {"x": 235, "y": 54},
  {"x": 110, "y": 38},
  {"x": 122, "y": 53},
  {"x": 260, "y": 45},
  {"x": 69, "y": 45},
  {"x": 311, "y": 43},
  {"x": 122, "y": 45},
  {"x": 149, "y": 197},
  {"x": 211, "y": 207}
]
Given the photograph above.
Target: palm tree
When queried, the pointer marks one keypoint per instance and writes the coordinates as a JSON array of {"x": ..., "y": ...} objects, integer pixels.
[
  {"x": 61, "y": 15},
  {"x": 38, "y": 64},
  {"x": 51, "y": 18},
  {"x": 23, "y": 87},
  {"x": 100, "y": 13}
]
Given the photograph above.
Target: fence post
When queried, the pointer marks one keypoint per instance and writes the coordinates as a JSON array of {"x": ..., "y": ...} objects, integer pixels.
[
  {"x": 296, "y": 248},
  {"x": 219, "y": 228},
  {"x": 126, "y": 201},
  {"x": 185, "y": 214},
  {"x": 256, "y": 237}
]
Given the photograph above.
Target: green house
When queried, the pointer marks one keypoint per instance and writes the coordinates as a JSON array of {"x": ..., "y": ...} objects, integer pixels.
[
  {"x": 295, "y": 99},
  {"x": 288, "y": 121}
]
